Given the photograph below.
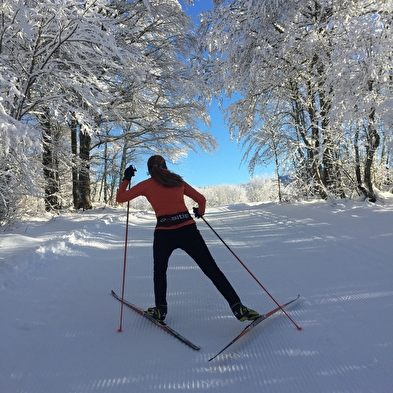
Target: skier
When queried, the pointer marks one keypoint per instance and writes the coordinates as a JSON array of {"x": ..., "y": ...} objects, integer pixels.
[{"x": 176, "y": 228}]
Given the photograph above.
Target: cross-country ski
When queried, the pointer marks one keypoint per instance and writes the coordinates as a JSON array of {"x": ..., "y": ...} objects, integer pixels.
[
  {"x": 251, "y": 325},
  {"x": 162, "y": 326}
]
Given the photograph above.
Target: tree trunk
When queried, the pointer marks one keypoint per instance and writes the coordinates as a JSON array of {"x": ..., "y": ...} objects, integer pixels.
[
  {"x": 373, "y": 140},
  {"x": 373, "y": 143},
  {"x": 105, "y": 174},
  {"x": 84, "y": 171},
  {"x": 75, "y": 177},
  {"x": 49, "y": 163},
  {"x": 358, "y": 173}
]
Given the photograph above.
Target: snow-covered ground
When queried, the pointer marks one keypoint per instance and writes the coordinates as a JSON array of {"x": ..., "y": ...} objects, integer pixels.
[{"x": 59, "y": 323}]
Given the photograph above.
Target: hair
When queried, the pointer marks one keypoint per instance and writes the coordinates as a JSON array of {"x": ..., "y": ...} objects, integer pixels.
[{"x": 158, "y": 170}]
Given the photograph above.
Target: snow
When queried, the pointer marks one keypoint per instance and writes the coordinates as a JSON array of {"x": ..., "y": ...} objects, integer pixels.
[{"x": 59, "y": 323}]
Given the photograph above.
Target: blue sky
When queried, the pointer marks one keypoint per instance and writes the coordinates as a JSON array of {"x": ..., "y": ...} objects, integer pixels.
[
  {"x": 200, "y": 169},
  {"x": 223, "y": 166},
  {"x": 203, "y": 169}
]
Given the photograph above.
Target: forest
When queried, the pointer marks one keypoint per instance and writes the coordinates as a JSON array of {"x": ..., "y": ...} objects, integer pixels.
[{"x": 88, "y": 86}]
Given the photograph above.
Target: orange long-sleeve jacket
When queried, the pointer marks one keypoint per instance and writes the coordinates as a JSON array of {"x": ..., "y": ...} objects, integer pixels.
[{"x": 164, "y": 200}]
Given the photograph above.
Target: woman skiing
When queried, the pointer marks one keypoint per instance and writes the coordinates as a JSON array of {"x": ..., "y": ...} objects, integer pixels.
[{"x": 176, "y": 228}]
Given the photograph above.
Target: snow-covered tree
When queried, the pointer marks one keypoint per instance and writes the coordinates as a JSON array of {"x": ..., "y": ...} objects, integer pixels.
[
  {"x": 108, "y": 72},
  {"x": 53, "y": 54},
  {"x": 159, "y": 110},
  {"x": 299, "y": 75}
]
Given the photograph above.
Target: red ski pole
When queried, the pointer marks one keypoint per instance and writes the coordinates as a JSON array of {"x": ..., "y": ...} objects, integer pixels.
[
  {"x": 124, "y": 270},
  {"x": 252, "y": 275},
  {"x": 132, "y": 170}
]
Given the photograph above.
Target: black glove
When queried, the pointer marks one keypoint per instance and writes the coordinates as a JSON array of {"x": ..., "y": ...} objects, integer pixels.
[
  {"x": 197, "y": 215},
  {"x": 129, "y": 173}
]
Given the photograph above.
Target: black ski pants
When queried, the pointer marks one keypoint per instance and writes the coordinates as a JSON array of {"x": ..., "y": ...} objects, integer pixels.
[{"x": 188, "y": 239}]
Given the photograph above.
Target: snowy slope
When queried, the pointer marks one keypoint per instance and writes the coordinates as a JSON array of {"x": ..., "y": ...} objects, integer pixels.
[{"x": 58, "y": 324}]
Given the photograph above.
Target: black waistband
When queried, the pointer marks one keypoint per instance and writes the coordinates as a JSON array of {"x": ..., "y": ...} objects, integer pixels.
[{"x": 173, "y": 219}]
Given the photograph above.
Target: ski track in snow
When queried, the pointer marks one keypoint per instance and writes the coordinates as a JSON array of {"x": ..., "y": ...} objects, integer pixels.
[{"x": 58, "y": 325}]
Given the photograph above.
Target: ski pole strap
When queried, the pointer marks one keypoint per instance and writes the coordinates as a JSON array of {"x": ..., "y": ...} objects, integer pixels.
[{"x": 173, "y": 219}]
